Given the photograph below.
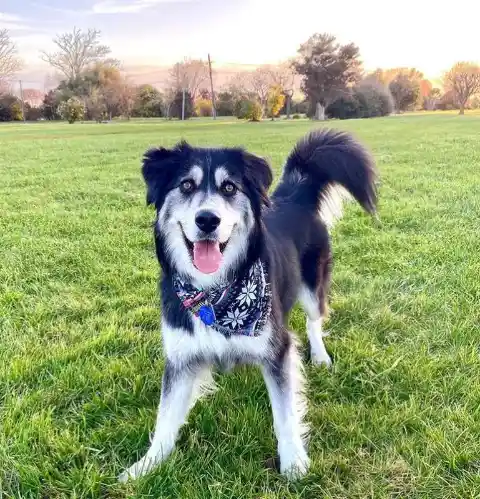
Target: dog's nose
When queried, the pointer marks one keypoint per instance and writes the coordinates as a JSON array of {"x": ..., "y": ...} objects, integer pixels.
[{"x": 207, "y": 221}]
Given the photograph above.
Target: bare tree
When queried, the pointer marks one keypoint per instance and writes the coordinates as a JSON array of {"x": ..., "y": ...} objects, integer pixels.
[
  {"x": 260, "y": 82},
  {"x": 283, "y": 76},
  {"x": 10, "y": 63},
  {"x": 464, "y": 81},
  {"x": 190, "y": 75},
  {"x": 77, "y": 51}
]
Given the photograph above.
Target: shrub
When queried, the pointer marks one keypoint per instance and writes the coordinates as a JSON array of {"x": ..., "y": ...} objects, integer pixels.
[
  {"x": 176, "y": 107},
  {"x": 254, "y": 111},
  {"x": 32, "y": 113},
  {"x": 240, "y": 108},
  {"x": 275, "y": 101},
  {"x": 367, "y": 100},
  {"x": 224, "y": 104},
  {"x": 373, "y": 100},
  {"x": 296, "y": 117},
  {"x": 299, "y": 107},
  {"x": 72, "y": 110},
  {"x": 10, "y": 108},
  {"x": 203, "y": 107}
]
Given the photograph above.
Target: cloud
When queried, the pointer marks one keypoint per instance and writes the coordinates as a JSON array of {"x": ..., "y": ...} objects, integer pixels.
[
  {"x": 124, "y": 7},
  {"x": 12, "y": 22}
]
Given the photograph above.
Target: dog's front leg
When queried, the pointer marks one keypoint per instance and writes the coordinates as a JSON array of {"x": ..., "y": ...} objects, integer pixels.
[
  {"x": 284, "y": 379},
  {"x": 175, "y": 402}
]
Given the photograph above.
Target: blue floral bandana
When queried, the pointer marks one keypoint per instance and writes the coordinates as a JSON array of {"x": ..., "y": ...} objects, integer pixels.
[{"x": 240, "y": 308}]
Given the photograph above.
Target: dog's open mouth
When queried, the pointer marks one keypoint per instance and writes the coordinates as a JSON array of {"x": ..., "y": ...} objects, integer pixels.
[{"x": 206, "y": 254}]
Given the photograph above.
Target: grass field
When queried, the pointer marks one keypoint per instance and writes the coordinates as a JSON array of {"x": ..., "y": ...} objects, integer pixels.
[{"x": 80, "y": 351}]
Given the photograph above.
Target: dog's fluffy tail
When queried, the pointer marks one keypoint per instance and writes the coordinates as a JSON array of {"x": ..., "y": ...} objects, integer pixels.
[{"x": 325, "y": 168}]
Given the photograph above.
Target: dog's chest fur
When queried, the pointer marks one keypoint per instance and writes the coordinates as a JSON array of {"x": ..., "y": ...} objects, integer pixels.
[{"x": 207, "y": 345}]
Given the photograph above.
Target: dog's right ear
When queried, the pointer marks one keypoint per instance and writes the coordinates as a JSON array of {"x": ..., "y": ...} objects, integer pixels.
[{"x": 157, "y": 171}]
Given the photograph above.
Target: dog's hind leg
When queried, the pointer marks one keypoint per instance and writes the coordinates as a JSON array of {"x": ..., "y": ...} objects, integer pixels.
[
  {"x": 316, "y": 272},
  {"x": 179, "y": 391}
]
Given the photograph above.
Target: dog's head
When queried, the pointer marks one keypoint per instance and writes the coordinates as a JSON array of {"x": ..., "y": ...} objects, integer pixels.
[{"x": 208, "y": 202}]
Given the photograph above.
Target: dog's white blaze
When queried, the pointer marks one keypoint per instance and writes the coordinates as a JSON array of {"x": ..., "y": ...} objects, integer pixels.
[
  {"x": 221, "y": 175},
  {"x": 196, "y": 173},
  {"x": 309, "y": 303}
]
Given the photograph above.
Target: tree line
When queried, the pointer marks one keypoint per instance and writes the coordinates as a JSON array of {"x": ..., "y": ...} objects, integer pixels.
[{"x": 332, "y": 80}]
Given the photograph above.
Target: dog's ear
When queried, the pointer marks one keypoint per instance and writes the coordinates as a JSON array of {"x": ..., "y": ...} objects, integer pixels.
[
  {"x": 258, "y": 176},
  {"x": 159, "y": 167}
]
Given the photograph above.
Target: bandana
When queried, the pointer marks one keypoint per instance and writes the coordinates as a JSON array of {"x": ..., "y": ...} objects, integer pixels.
[{"x": 240, "y": 308}]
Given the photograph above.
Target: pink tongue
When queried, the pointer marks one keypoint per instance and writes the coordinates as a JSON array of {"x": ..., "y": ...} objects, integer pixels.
[{"x": 207, "y": 256}]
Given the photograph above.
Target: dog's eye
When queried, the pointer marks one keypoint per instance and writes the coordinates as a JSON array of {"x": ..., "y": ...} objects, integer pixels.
[
  {"x": 228, "y": 188},
  {"x": 187, "y": 186}
]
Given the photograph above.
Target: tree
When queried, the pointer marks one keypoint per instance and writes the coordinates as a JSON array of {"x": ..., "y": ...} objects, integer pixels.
[
  {"x": 126, "y": 97},
  {"x": 328, "y": 70},
  {"x": 203, "y": 107},
  {"x": 189, "y": 75},
  {"x": 10, "y": 63},
  {"x": 10, "y": 108},
  {"x": 225, "y": 104},
  {"x": 176, "y": 106},
  {"x": 148, "y": 102},
  {"x": 275, "y": 102},
  {"x": 405, "y": 91},
  {"x": 260, "y": 81},
  {"x": 72, "y": 110},
  {"x": 50, "y": 106},
  {"x": 253, "y": 111},
  {"x": 463, "y": 80},
  {"x": 77, "y": 52}
]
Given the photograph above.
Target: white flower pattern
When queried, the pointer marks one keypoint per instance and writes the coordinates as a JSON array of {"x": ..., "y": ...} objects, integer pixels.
[
  {"x": 248, "y": 294},
  {"x": 235, "y": 318},
  {"x": 242, "y": 307}
]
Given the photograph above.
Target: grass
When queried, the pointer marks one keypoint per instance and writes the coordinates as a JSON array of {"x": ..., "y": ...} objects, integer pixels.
[{"x": 80, "y": 351}]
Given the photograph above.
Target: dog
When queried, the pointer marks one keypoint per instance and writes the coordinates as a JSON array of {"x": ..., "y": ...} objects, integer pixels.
[{"x": 235, "y": 261}]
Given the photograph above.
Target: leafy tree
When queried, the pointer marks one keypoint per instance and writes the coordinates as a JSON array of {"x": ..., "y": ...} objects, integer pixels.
[
  {"x": 176, "y": 107},
  {"x": 72, "y": 110},
  {"x": 148, "y": 102},
  {"x": 328, "y": 70},
  {"x": 463, "y": 80},
  {"x": 10, "y": 108},
  {"x": 77, "y": 52},
  {"x": 203, "y": 107},
  {"x": 225, "y": 104},
  {"x": 254, "y": 111},
  {"x": 275, "y": 101},
  {"x": 405, "y": 89},
  {"x": 50, "y": 106}
]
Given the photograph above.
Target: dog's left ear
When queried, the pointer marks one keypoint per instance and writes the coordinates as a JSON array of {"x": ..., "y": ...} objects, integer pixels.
[{"x": 258, "y": 176}]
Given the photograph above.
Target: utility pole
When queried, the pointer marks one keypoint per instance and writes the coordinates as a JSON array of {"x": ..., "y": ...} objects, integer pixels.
[
  {"x": 214, "y": 111},
  {"x": 183, "y": 90},
  {"x": 21, "y": 98},
  {"x": 183, "y": 104}
]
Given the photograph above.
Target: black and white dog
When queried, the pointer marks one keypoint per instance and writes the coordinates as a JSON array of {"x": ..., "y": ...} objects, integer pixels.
[{"x": 235, "y": 262}]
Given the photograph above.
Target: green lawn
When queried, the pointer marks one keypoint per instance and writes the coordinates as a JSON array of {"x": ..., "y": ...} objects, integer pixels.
[{"x": 80, "y": 351}]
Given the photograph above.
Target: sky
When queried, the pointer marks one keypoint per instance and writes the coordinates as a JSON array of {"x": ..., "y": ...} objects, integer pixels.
[{"x": 411, "y": 33}]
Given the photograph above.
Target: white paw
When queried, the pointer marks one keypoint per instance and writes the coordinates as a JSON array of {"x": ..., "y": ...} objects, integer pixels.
[
  {"x": 321, "y": 358},
  {"x": 137, "y": 470},
  {"x": 295, "y": 467}
]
